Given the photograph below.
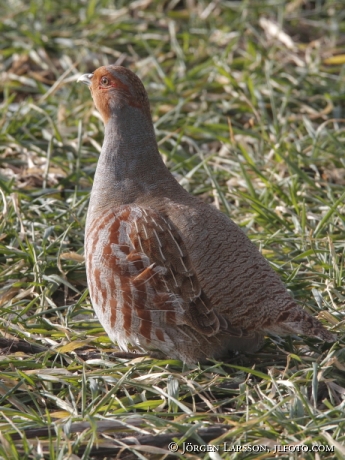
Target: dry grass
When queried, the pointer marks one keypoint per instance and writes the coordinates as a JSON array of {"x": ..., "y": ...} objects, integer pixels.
[{"x": 248, "y": 101}]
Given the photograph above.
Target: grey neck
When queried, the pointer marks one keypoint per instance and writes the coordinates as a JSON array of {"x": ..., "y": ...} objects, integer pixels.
[{"x": 129, "y": 165}]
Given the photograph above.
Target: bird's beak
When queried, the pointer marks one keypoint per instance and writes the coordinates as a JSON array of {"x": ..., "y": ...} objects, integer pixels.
[{"x": 86, "y": 79}]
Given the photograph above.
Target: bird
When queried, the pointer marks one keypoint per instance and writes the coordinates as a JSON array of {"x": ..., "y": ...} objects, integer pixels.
[{"x": 168, "y": 274}]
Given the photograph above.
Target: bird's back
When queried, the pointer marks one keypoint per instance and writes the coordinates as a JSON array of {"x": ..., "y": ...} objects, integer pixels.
[{"x": 232, "y": 272}]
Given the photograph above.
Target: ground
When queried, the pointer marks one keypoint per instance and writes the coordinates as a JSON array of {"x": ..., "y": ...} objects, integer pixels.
[{"x": 247, "y": 98}]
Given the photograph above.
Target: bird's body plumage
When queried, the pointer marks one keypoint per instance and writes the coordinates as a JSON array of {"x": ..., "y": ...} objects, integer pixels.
[{"x": 168, "y": 273}]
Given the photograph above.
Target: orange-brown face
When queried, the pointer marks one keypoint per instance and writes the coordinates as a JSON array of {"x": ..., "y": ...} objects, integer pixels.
[{"x": 113, "y": 87}]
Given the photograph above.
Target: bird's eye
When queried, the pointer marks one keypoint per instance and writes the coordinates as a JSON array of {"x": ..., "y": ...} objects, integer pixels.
[{"x": 104, "y": 81}]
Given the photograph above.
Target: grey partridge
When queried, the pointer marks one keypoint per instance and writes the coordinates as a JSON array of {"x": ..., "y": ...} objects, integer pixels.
[{"x": 168, "y": 273}]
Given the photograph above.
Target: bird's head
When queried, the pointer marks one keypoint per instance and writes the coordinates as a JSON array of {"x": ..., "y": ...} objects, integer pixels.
[{"x": 115, "y": 87}]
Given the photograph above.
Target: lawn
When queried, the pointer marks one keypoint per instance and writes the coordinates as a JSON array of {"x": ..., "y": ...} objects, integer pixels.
[{"x": 248, "y": 101}]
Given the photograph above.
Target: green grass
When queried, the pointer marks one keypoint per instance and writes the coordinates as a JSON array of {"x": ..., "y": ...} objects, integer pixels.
[{"x": 248, "y": 122}]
